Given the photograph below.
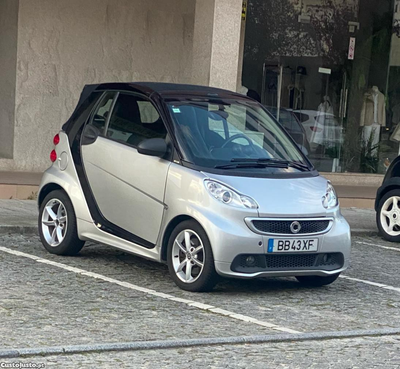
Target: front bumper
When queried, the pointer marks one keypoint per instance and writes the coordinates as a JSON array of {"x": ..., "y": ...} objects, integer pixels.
[{"x": 332, "y": 257}]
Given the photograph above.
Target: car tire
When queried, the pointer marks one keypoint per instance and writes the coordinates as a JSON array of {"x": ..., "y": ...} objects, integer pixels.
[
  {"x": 384, "y": 205},
  {"x": 317, "y": 281},
  {"x": 197, "y": 278},
  {"x": 57, "y": 225}
]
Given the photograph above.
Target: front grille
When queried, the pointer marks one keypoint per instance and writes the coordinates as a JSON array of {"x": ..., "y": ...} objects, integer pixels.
[
  {"x": 283, "y": 226},
  {"x": 287, "y": 262},
  {"x": 290, "y": 261}
]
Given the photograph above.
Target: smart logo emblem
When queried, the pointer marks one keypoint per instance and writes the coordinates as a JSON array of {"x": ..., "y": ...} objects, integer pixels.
[{"x": 295, "y": 227}]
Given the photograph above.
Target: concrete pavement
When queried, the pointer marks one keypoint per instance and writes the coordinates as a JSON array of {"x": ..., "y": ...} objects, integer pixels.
[
  {"x": 18, "y": 216},
  {"x": 362, "y": 221}
]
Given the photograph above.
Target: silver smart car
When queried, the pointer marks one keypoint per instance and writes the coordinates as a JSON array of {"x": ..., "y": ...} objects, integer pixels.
[{"x": 202, "y": 179}]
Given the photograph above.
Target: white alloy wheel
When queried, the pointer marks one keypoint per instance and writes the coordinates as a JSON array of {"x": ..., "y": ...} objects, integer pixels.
[
  {"x": 188, "y": 256},
  {"x": 54, "y": 222},
  {"x": 390, "y": 216}
]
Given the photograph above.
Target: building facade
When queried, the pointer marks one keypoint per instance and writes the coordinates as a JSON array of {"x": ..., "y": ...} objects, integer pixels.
[
  {"x": 331, "y": 66},
  {"x": 49, "y": 49},
  {"x": 334, "y": 65}
]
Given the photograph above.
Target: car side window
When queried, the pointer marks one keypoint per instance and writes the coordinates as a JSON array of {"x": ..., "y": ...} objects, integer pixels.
[
  {"x": 135, "y": 119},
  {"x": 99, "y": 119},
  {"x": 148, "y": 112}
]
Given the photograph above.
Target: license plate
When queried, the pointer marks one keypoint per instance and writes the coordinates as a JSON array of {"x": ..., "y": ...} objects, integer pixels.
[{"x": 293, "y": 245}]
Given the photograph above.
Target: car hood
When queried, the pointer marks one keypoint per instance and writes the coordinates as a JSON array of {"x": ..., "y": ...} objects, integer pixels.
[{"x": 300, "y": 197}]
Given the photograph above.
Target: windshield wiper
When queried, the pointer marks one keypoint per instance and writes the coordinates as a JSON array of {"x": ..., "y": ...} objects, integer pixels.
[
  {"x": 299, "y": 166},
  {"x": 263, "y": 163},
  {"x": 290, "y": 163},
  {"x": 252, "y": 165}
]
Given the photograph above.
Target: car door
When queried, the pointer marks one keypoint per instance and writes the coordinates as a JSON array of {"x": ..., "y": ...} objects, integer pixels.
[{"x": 128, "y": 187}]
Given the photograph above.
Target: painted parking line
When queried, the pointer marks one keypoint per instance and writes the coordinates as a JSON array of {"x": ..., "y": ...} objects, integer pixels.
[
  {"x": 375, "y": 284},
  {"x": 370, "y": 283},
  {"x": 198, "y": 305},
  {"x": 380, "y": 246}
]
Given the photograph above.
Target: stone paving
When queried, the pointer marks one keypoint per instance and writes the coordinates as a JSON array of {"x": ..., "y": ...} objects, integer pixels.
[
  {"x": 42, "y": 305},
  {"x": 282, "y": 300}
]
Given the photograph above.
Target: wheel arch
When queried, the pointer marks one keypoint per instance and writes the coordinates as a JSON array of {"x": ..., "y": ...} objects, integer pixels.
[
  {"x": 70, "y": 244},
  {"x": 170, "y": 228},
  {"x": 394, "y": 169},
  {"x": 50, "y": 187},
  {"x": 390, "y": 182},
  {"x": 389, "y": 185}
]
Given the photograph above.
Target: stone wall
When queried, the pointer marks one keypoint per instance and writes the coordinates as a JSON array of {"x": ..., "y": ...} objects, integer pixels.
[
  {"x": 217, "y": 43},
  {"x": 65, "y": 44}
]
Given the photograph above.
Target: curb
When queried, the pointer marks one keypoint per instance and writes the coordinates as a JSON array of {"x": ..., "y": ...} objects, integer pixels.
[
  {"x": 25, "y": 229},
  {"x": 174, "y": 344}
]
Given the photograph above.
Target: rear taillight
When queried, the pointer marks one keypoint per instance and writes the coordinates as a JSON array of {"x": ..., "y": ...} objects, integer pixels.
[{"x": 53, "y": 156}]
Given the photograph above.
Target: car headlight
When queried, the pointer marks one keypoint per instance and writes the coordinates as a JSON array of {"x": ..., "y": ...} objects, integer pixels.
[
  {"x": 229, "y": 196},
  {"x": 330, "y": 200}
]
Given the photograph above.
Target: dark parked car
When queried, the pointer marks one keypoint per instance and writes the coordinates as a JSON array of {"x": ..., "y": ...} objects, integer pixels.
[
  {"x": 387, "y": 203},
  {"x": 291, "y": 123}
]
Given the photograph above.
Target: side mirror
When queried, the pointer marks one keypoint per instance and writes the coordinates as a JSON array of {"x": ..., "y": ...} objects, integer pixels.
[{"x": 153, "y": 147}]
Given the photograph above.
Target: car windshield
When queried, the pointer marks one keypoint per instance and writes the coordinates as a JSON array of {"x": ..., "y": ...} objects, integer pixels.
[{"x": 230, "y": 134}]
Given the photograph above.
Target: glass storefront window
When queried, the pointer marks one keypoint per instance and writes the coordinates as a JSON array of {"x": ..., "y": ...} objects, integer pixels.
[{"x": 333, "y": 67}]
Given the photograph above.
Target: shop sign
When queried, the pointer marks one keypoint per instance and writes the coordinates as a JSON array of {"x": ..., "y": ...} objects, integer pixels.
[
  {"x": 352, "y": 48},
  {"x": 325, "y": 70}
]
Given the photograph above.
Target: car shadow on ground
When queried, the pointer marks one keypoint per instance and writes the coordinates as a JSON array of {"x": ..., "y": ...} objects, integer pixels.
[{"x": 132, "y": 265}]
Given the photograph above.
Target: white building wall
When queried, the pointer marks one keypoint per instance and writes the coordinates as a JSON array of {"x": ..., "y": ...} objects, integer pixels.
[{"x": 65, "y": 44}]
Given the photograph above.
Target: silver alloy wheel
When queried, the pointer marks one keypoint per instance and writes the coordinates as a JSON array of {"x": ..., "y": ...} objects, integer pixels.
[
  {"x": 188, "y": 256},
  {"x": 390, "y": 216},
  {"x": 54, "y": 222}
]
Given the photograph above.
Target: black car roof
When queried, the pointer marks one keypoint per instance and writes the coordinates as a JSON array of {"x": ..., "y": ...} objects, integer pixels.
[{"x": 165, "y": 89}]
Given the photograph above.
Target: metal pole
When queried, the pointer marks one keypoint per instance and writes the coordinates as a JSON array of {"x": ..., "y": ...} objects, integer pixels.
[{"x": 280, "y": 83}]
